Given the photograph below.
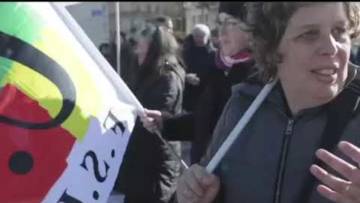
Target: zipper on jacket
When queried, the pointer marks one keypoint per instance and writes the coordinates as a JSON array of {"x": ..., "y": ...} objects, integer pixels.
[{"x": 283, "y": 158}]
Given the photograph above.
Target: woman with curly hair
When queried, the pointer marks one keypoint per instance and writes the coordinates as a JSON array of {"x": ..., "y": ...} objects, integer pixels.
[{"x": 298, "y": 135}]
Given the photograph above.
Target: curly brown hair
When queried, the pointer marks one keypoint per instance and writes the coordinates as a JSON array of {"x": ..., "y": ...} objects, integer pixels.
[{"x": 267, "y": 23}]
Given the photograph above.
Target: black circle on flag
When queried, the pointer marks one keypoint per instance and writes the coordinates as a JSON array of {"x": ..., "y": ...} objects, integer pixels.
[
  {"x": 24, "y": 53},
  {"x": 21, "y": 162}
]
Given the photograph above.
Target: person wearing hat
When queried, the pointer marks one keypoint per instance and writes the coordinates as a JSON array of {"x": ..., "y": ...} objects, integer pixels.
[{"x": 234, "y": 64}]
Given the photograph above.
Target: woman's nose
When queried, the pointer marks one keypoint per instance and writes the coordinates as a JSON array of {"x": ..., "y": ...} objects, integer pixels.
[{"x": 329, "y": 45}]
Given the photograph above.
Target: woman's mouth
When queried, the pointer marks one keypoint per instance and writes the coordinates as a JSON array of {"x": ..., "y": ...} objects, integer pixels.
[{"x": 325, "y": 75}]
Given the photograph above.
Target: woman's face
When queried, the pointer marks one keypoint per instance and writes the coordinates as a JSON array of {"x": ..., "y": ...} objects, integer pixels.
[
  {"x": 231, "y": 38},
  {"x": 141, "y": 49},
  {"x": 315, "y": 50}
]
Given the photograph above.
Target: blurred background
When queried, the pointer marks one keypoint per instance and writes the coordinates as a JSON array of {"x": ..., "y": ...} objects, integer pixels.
[{"x": 98, "y": 19}]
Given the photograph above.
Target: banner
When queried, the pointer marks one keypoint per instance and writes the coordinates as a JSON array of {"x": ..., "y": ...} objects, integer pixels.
[{"x": 64, "y": 120}]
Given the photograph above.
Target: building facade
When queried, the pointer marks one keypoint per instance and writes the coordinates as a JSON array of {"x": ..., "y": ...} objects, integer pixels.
[
  {"x": 98, "y": 19},
  {"x": 200, "y": 12},
  {"x": 93, "y": 18}
]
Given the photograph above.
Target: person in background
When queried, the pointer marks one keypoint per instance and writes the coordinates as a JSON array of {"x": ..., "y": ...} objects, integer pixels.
[
  {"x": 168, "y": 25},
  {"x": 198, "y": 54},
  {"x": 294, "y": 137},
  {"x": 149, "y": 167},
  {"x": 234, "y": 64},
  {"x": 164, "y": 21}
]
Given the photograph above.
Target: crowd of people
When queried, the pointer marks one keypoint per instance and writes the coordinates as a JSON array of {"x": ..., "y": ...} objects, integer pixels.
[{"x": 301, "y": 145}]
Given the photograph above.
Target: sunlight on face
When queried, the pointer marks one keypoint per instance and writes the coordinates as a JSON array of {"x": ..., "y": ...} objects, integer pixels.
[
  {"x": 200, "y": 39},
  {"x": 231, "y": 38},
  {"x": 315, "y": 49}
]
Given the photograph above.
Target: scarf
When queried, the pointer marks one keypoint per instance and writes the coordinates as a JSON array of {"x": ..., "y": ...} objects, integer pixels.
[{"x": 227, "y": 62}]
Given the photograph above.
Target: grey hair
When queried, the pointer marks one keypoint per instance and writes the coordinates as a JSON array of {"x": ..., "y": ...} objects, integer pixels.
[{"x": 201, "y": 28}]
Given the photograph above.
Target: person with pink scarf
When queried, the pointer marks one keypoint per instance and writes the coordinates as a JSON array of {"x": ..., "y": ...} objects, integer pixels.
[{"x": 234, "y": 63}]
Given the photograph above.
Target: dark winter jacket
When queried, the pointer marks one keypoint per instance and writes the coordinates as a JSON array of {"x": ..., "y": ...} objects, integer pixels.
[
  {"x": 149, "y": 168},
  {"x": 198, "y": 126},
  {"x": 249, "y": 170},
  {"x": 199, "y": 60}
]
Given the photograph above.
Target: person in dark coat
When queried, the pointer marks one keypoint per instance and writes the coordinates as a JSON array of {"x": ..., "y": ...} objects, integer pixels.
[
  {"x": 149, "y": 168},
  {"x": 302, "y": 143},
  {"x": 234, "y": 63},
  {"x": 198, "y": 54}
]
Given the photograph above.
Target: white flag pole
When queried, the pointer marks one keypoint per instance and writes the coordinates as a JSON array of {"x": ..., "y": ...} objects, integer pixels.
[
  {"x": 239, "y": 127},
  {"x": 83, "y": 39}
]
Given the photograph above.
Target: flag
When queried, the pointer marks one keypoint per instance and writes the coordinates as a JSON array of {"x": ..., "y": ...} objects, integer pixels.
[{"x": 65, "y": 119}]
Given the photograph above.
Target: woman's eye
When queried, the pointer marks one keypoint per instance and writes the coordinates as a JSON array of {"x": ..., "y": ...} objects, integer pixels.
[
  {"x": 309, "y": 35},
  {"x": 340, "y": 32}
]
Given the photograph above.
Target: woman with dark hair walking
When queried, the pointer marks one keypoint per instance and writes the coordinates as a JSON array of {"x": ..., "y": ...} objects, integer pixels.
[{"x": 149, "y": 169}]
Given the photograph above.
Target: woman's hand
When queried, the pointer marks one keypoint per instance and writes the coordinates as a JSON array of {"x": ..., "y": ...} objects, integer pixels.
[
  {"x": 335, "y": 188},
  {"x": 192, "y": 79},
  {"x": 196, "y": 185},
  {"x": 152, "y": 120}
]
